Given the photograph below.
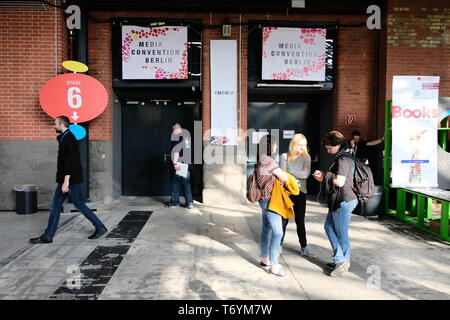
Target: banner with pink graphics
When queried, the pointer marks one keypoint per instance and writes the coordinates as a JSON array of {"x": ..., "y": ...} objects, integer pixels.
[
  {"x": 293, "y": 54},
  {"x": 154, "y": 53},
  {"x": 415, "y": 118}
]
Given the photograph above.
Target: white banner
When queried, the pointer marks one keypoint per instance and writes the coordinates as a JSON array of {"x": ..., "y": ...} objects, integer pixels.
[
  {"x": 293, "y": 54},
  {"x": 154, "y": 53},
  {"x": 414, "y": 131},
  {"x": 224, "y": 92}
]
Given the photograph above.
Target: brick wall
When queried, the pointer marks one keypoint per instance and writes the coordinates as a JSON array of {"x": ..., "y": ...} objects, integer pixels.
[
  {"x": 419, "y": 41},
  {"x": 418, "y": 36},
  {"x": 32, "y": 46},
  {"x": 355, "y": 65},
  {"x": 31, "y": 52}
]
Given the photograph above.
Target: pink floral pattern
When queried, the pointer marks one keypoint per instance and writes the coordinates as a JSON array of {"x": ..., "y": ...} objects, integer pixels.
[
  {"x": 266, "y": 34},
  {"x": 308, "y": 37},
  {"x": 157, "y": 32},
  {"x": 301, "y": 73}
]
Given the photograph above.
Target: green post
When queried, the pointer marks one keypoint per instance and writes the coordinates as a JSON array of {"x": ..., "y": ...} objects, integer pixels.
[
  {"x": 445, "y": 208},
  {"x": 401, "y": 204},
  {"x": 443, "y": 134},
  {"x": 420, "y": 211}
]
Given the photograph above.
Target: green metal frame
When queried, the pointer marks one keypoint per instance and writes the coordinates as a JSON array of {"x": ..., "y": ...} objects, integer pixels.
[{"x": 420, "y": 213}]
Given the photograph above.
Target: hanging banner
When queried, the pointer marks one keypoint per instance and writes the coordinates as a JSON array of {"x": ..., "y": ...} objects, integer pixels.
[
  {"x": 293, "y": 54},
  {"x": 154, "y": 53},
  {"x": 414, "y": 131},
  {"x": 224, "y": 92}
]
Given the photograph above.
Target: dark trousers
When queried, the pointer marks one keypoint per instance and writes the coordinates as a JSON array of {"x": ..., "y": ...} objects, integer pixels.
[
  {"x": 77, "y": 199},
  {"x": 175, "y": 181},
  {"x": 299, "y": 210}
]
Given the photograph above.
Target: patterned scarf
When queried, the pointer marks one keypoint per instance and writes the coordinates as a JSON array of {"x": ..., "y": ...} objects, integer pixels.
[{"x": 342, "y": 152}]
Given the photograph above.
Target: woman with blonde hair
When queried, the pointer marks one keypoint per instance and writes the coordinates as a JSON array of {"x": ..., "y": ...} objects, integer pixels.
[{"x": 297, "y": 162}]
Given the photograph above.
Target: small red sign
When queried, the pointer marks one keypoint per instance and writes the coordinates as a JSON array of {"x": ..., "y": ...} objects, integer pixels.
[
  {"x": 78, "y": 96},
  {"x": 350, "y": 119}
]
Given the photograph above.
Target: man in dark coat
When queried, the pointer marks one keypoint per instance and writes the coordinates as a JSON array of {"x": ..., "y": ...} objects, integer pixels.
[{"x": 69, "y": 177}]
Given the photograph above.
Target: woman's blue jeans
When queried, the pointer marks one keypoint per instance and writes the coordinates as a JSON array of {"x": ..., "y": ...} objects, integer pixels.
[
  {"x": 271, "y": 233},
  {"x": 336, "y": 227}
]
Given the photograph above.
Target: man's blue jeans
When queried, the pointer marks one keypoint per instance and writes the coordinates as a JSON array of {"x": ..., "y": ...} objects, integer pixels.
[
  {"x": 75, "y": 194},
  {"x": 336, "y": 227},
  {"x": 271, "y": 226},
  {"x": 175, "y": 181}
]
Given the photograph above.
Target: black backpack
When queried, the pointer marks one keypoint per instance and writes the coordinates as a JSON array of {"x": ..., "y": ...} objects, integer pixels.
[{"x": 363, "y": 184}]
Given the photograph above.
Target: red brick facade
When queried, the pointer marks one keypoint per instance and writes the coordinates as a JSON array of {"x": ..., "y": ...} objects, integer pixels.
[
  {"x": 34, "y": 43},
  {"x": 419, "y": 41},
  {"x": 32, "y": 46}
]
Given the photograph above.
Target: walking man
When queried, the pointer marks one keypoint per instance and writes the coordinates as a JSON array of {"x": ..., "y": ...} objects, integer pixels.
[{"x": 68, "y": 178}]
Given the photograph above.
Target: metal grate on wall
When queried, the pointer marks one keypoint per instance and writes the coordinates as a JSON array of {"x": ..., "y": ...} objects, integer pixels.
[{"x": 24, "y": 5}]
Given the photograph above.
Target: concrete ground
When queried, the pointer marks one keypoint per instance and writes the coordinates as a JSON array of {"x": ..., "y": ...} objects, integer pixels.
[{"x": 211, "y": 252}]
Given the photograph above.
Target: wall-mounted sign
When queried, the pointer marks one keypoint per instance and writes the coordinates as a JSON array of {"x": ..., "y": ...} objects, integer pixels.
[
  {"x": 77, "y": 96},
  {"x": 414, "y": 131},
  {"x": 350, "y": 120},
  {"x": 293, "y": 54},
  {"x": 257, "y": 135},
  {"x": 288, "y": 134},
  {"x": 154, "y": 53}
]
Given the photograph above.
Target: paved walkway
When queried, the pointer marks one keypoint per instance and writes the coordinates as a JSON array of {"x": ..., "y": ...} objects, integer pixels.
[{"x": 211, "y": 252}]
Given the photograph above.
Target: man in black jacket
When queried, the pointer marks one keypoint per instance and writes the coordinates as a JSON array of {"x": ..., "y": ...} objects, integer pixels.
[{"x": 69, "y": 177}]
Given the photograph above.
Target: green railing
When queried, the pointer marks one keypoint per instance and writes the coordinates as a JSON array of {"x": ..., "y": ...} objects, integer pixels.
[{"x": 412, "y": 206}]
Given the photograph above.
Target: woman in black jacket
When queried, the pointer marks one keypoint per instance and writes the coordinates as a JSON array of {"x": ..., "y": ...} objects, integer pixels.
[{"x": 337, "y": 184}]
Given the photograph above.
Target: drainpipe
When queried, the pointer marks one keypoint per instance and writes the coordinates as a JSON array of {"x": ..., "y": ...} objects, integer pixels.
[{"x": 79, "y": 52}]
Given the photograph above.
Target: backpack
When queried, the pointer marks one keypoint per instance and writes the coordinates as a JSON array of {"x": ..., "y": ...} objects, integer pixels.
[
  {"x": 253, "y": 192},
  {"x": 363, "y": 184}
]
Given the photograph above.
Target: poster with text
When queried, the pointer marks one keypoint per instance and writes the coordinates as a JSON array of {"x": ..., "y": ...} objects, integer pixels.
[
  {"x": 224, "y": 92},
  {"x": 154, "y": 53},
  {"x": 414, "y": 109},
  {"x": 293, "y": 54}
]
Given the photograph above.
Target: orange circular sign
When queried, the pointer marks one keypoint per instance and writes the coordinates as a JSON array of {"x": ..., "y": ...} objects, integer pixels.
[{"x": 77, "y": 96}]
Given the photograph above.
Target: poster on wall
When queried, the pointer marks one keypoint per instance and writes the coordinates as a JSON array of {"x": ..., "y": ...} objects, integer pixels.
[
  {"x": 414, "y": 109},
  {"x": 293, "y": 54},
  {"x": 154, "y": 53},
  {"x": 224, "y": 92}
]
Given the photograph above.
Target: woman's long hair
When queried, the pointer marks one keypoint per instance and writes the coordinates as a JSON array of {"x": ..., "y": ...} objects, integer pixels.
[{"x": 292, "y": 153}]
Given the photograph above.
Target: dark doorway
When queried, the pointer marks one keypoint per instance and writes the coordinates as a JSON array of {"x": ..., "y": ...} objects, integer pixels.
[
  {"x": 300, "y": 117},
  {"x": 146, "y": 132}
]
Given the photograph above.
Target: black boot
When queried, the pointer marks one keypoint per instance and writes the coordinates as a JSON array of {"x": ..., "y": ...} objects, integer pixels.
[
  {"x": 41, "y": 239},
  {"x": 98, "y": 233}
]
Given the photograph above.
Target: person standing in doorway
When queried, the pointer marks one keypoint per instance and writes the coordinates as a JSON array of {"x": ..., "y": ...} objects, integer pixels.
[
  {"x": 337, "y": 186},
  {"x": 297, "y": 162},
  {"x": 181, "y": 146},
  {"x": 69, "y": 178}
]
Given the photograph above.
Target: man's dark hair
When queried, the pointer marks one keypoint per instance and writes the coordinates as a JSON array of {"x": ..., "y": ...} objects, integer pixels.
[
  {"x": 176, "y": 124},
  {"x": 64, "y": 120},
  {"x": 356, "y": 133},
  {"x": 334, "y": 138}
]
